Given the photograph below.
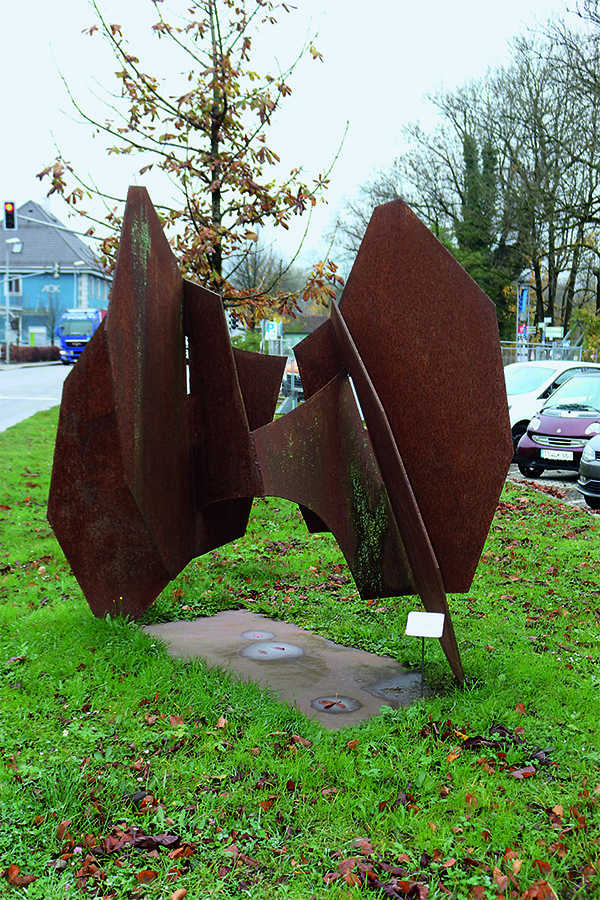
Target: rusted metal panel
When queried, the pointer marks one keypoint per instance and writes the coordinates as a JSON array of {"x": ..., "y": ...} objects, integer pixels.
[
  {"x": 220, "y": 446},
  {"x": 260, "y": 382},
  {"x": 220, "y": 523},
  {"x": 230, "y": 392},
  {"x": 428, "y": 337},
  {"x": 144, "y": 326},
  {"x": 320, "y": 455},
  {"x": 312, "y": 521},
  {"x": 91, "y": 509},
  {"x": 319, "y": 359},
  {"x": 419, "y": 551}
]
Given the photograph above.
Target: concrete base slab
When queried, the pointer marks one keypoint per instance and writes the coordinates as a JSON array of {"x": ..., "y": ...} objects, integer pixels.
[{"x": 336, "y": 685}]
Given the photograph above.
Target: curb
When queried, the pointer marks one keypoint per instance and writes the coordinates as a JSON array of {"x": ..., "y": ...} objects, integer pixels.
[{"x": 31, "y": 365}]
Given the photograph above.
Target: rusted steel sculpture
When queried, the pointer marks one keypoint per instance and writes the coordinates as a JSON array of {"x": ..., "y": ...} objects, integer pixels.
[{"x": 153, "y": 468}]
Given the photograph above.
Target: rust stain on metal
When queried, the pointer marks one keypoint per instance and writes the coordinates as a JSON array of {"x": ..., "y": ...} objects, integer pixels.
[
  {"x": 230, "y": 393},
  {"x": 221, "y": 449},
  {"x": 319, "y": 359},
  {"x": 320, "y": 455},
  {"x": 420, "y": 553},
  {"x": 428, "y": 337},
  {"x": 147, "y": 476},
  {"x": 260, "y": 382},
  {"x": 144, "y": 326},
  {"x": 91, "y": 509}
]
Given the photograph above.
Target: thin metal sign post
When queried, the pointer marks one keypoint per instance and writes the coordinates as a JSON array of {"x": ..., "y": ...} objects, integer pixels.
[{"x": 424, "y": 624}]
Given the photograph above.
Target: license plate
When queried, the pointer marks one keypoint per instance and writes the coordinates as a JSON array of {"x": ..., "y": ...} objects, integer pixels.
[{"x": 563, "y": 455}]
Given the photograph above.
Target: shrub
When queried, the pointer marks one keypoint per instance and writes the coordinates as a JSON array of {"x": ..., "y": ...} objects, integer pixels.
[{"x": 31, "y": 354}]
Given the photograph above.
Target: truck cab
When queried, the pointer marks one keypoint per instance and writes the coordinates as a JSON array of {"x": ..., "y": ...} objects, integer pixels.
[{"x": 74, "y": 330}]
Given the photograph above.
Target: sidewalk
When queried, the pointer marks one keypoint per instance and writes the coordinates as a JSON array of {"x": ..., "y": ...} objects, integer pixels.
[{"x": 28, "y": 365}]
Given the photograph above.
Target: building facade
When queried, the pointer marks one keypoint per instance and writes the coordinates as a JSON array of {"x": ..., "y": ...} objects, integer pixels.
[{"x": 47, "y": 269}]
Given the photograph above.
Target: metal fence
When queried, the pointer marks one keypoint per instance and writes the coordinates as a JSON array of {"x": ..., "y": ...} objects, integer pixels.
[{"x": 524, "y": 351}]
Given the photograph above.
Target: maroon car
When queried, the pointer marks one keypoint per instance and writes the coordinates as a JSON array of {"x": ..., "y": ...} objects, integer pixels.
[{"x": 556, "y": 436}]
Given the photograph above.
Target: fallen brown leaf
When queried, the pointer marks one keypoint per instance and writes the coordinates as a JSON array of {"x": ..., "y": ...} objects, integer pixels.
[
  {"x": 501, "y": 881},
  {"x": 62, "y": 832},
  {"x": 15, "y": 879},
  {"x": 477, "y": 892},
  {"x": 146, "y": 876},
  {"x": 525, "y": 772}
]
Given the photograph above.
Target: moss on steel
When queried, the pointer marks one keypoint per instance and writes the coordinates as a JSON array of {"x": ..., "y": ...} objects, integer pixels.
[
  {"x": 370, "y": 520},
  {"x": 141, "y": 244}
]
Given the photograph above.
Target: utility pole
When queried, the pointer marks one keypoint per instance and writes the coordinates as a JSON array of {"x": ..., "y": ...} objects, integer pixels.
[
  {"x": 10, "y": 224},
  {"x": 6, "y": 310},
  {"x": 8, "y": 241}
]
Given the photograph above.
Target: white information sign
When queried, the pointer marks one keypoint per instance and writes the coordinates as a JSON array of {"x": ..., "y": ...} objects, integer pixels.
[{"x": 425, "y": 624}]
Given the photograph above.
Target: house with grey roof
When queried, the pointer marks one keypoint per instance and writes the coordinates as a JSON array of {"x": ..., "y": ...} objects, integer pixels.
[{"x": 48, "y": 269}]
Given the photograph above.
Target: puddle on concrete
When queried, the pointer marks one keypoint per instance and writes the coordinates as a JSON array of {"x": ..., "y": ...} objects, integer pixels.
[
  {"x": 338, "y": 686},
  {"x": 272, "y": 651},
  {"x": 336, "y": 705}
]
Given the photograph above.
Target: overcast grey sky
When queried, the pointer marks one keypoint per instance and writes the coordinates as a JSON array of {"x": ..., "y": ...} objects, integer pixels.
[{"x": 381, "y": 59}]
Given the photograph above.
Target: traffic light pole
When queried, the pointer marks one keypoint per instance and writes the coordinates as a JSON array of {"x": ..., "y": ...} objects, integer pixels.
[
  {"x": 7, "y": 309},
  {"x": 10, "y": 224},
  {"x": 8, "y": 241}
]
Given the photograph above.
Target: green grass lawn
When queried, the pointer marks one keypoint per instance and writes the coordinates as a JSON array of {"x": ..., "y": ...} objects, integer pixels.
[{"x": 126, "y": 774}]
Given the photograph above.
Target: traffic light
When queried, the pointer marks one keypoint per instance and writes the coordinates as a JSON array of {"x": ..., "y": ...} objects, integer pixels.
[
  {"x": 10, "y": 216},
  {"x": 56, "y": 270}
]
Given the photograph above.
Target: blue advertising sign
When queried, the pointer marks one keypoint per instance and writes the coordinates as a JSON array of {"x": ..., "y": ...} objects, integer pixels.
[{"x": 523, "y": 297}]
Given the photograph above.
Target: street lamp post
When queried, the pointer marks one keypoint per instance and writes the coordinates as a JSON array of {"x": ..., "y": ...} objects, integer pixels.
[
  {"x": 14, "y": 240},
  {"x": 76, "y": 268}
]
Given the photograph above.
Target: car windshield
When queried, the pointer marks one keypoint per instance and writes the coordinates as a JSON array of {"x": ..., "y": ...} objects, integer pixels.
[
  {"x": 521, "y": 378},
  {"x": 578, "y": 393},
  {"x": 77, "y": 326}
]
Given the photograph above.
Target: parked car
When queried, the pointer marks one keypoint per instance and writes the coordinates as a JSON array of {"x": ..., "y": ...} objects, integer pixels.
[
  {"x": 557, "y": 435},
  {"x": 291, "y": 385},
  {"x": 530, "y": 384},
  {"x": 588, "y": 483}
]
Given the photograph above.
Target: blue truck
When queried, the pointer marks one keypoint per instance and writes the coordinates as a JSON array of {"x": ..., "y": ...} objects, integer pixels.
[{"x": 74, "y": 330}]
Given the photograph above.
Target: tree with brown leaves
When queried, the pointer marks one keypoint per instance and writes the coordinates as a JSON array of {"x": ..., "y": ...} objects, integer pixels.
[{"x": 208, "y": 136}]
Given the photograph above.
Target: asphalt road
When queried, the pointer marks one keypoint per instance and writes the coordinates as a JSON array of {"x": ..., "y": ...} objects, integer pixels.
[
  {"x": 565, "y": 482},
  {"x": 25, "y": 390}
]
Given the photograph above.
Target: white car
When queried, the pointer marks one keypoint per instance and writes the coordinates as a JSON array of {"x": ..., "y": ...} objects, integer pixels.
[{"x": 529, "y": 384}]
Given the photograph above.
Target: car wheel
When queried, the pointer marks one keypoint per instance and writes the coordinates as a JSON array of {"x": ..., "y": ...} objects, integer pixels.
[
  {"x": 530, "y": 471},
  {"x": 516, "y": 437},
  {"x": 593, "y": 502}
]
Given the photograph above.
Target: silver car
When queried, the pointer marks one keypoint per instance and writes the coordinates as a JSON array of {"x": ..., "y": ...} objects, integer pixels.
[{"x": 588, "y": 482}]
